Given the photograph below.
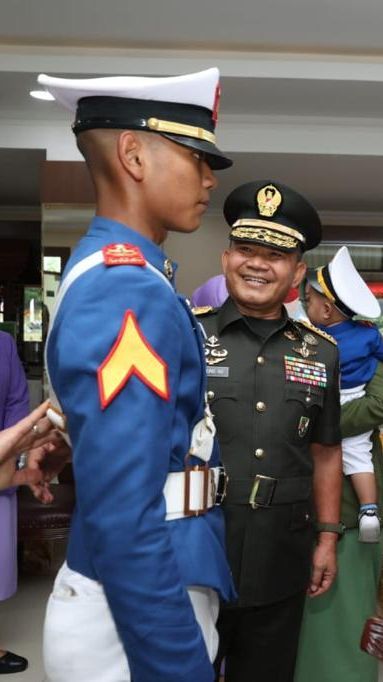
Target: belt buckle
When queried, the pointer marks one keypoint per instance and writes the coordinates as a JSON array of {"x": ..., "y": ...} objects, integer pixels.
[
  {"x": 203, "y": 509},
  {"x": 220, "y": 491},
  {"x": 254, "y": 491}
]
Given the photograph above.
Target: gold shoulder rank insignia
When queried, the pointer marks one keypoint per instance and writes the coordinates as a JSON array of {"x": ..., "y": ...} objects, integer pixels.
[
  {"x": 202, "y": 310},
  {"x": 131, "y": 354},
  {"x": 320, "y": 332}
]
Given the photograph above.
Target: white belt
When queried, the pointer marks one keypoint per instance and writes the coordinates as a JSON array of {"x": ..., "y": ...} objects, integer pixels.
[{"x": 193, "y": 491}]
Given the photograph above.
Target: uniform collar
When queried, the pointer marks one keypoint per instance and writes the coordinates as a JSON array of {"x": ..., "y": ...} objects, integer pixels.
[
  {"x": 229, "y": 313},
  {"x": 113, "y": 232},
  {"x": 338, "y": 327}
]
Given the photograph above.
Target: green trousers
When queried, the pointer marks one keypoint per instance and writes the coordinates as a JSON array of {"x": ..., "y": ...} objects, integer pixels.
[{"x": 332, "y": 625}]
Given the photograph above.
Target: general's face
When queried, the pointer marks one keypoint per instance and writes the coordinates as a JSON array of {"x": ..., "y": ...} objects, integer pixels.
[
  {"x": 179, "y": 186},
  {"x": 258, "y": 277}
]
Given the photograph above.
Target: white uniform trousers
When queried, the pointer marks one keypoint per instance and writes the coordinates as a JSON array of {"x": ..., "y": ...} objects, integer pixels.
[
  {"x": 356, "y": 450},
  {"x": 81, "y": 643}
]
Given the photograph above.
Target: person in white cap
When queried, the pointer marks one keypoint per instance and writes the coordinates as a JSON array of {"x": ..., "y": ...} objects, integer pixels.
[
  {"x": 334, "y": 294},
  {"x": 138, "y": 596}
]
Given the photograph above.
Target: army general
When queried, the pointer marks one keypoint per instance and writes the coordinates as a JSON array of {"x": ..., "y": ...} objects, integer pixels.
[{"x": 273, "y": 388}]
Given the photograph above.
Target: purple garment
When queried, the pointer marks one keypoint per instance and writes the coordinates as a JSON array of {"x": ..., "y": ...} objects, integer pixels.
[
  {"x": 14, "y": 404},
  {"x": 213, "y": 292}
]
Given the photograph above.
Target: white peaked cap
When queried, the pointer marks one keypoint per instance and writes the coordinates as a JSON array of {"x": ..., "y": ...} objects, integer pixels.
[
  {"x": 349, "y": 287},
  {"x": 198, "y": 89},
  {"x": 181, "y": 108}
]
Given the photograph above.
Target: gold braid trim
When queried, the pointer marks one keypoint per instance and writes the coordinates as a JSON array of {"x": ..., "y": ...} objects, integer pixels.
[
  {"x": 263, "y": 235},
  {"x": 180, "y": 129},
  {"x": 320, "y": 332}
]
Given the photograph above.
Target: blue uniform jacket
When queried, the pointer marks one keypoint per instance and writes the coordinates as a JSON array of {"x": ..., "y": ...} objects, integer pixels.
[
  {"x": 123, "y": 453},
  {"x": 360, "y": 348}
]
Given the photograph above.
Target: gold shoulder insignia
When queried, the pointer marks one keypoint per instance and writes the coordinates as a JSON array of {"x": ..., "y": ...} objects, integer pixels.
[
  {"x": 320, "y": 332},
  {"x": 202, "y": 310}
]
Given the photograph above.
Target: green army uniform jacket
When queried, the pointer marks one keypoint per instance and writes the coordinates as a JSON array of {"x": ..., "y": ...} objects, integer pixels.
[{"x": 270, "y": 401}]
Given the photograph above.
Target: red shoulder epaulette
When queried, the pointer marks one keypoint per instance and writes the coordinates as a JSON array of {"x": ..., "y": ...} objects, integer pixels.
[
  {"x": 366, "y": 323},
  {"x": 123, "y": 254}
]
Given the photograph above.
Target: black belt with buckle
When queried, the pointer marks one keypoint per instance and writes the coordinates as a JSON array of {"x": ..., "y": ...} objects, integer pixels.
[{"x": 264, "y": 491}]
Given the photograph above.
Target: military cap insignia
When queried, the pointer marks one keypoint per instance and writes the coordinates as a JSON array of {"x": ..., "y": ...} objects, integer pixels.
[
  {"x": 123, "y": 254},
  {"x": 202, "y": 310},
  {"x": 320, "y": 332},
  {"x": 268, "y": 200},
  {"x": 217, "y": 101},
  {"x": 131, "y": 354}
]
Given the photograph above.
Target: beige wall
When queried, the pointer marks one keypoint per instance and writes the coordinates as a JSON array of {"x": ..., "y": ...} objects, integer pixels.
[{"x": 198, "y": 255}]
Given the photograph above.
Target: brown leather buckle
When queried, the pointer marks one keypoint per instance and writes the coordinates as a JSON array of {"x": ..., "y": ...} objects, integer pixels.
[{"x": 203, "y": 509}]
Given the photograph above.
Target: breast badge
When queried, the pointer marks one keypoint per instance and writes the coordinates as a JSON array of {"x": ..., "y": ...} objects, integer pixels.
[
  {"x": 291, "y": 335},
  {"x": 303, "y": 426},
  {"x": 214, "y": 352},
  {"x": 304, "y": 350}
]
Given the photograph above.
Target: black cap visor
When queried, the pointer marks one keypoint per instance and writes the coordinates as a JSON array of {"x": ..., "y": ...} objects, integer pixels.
[{"x": 214, "y": 157}]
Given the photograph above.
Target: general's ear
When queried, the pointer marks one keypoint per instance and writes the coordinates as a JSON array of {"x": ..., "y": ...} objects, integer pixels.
[
  {"x": 224, "y": 259},
  {"x": 130, "y": 152},
  {"x": 300, "y": 272}
]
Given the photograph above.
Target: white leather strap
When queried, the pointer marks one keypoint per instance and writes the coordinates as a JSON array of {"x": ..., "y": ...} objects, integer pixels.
[{"x": 174, "y": 492}]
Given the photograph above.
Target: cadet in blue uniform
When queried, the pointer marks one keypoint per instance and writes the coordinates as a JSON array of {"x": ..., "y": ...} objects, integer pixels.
[
  {"x": 126, "y": 364},
  {"x": 273, "y": 387}
]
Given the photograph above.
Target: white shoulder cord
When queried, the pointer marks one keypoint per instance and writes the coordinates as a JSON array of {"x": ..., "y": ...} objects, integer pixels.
[{"x": 55, "y": 413}]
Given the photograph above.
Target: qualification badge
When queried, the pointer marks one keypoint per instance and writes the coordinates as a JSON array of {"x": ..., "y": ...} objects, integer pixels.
[
  {"x": 303, "y": 426},
  {"x": 214, "y": 352}
]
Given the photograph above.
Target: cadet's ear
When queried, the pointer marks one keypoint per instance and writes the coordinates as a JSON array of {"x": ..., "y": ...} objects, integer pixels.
[
  {"x": 300, "y": 272},
  {"x": 130, "y": 152}
]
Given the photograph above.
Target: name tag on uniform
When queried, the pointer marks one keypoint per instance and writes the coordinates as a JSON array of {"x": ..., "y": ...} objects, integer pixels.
[{"x": 217, "y": 371}]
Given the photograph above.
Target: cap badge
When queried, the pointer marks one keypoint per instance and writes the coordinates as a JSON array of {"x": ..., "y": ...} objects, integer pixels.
[
  {"x": 268, "y": 200},
  {"x": 217, "y": 100}
]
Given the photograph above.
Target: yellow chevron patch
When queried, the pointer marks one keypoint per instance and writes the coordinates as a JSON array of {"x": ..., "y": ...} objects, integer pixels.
[{"x": 131, "y": 354}]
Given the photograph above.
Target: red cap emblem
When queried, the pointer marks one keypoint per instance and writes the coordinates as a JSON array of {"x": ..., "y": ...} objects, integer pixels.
[{"x": 217, "y": 100}]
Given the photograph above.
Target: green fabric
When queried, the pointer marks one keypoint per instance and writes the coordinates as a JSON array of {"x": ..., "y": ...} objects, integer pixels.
[
  {"x": 358, "y": 416},
  {"x": 332, "y": 624}
]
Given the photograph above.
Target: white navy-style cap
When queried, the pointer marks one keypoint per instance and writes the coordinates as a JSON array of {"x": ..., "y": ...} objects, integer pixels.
[
  {"x": 182, "y": 108},
  {"x": 342, "y": 284}
]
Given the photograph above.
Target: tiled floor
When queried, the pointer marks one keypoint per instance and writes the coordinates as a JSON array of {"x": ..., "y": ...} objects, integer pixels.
[{"x": 21, "y": 620}]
